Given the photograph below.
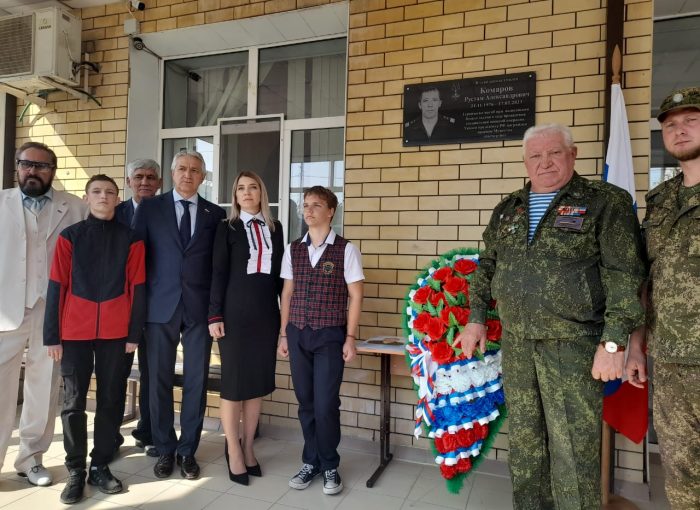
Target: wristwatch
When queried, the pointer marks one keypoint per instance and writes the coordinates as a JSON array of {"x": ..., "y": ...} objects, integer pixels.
[{"x": 612, "y": 347}]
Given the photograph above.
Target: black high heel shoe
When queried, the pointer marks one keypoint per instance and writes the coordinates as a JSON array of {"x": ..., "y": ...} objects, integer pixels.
[
  {"x": 254, "y": 470},
  {"x": 240, "y": 478}
]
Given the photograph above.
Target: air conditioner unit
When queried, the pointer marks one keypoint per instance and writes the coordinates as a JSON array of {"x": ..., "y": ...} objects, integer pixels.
[{"x": 38, "y": 49}]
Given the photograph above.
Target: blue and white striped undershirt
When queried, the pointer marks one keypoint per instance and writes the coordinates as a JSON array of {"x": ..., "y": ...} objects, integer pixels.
[{"x": 537, "y": 206}]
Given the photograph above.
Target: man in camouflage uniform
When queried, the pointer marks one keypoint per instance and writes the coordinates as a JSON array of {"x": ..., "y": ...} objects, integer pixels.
[
  {"x": 567, "y": 291},
  {"x": 672, "y": 232}
]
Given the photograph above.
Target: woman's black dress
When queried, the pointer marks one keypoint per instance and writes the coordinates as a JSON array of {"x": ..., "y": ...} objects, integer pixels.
[{"x": 249, "y": 306}]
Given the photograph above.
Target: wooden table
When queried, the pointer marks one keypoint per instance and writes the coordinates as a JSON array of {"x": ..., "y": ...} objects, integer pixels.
[{"x": 387, "y": 347}]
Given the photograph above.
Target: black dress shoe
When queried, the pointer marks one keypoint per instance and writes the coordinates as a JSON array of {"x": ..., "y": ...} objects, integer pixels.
[
  {"x": 254, "y": 470},
  {"x": 164, "y": 466},
  {"x": 189, "y": 468},
  {"x": 73, "y": 491},
  {"x": 103, "y": 478}
]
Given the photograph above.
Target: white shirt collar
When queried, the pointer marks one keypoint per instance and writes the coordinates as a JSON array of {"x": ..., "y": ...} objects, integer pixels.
[
  {"x": 330, "y": 239},
  {"x": 193, "y": 199},
  {"x": 246, "y": 217},
  {"x": 134, "y": 203}
]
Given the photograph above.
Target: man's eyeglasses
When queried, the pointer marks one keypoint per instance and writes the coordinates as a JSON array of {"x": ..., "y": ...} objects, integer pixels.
[{"x": 26, "y": 165}]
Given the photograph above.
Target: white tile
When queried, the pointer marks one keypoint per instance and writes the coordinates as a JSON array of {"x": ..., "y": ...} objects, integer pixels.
[
  {"x": 230, "y": 501},
  {"x": 50, "y": 500},
  {"x": 421, "y": 505},
  {"x": 397, "y": 480},
  {"x": 361, "y": 500},
  {"x": 212, "y": 477},
  {"x": 137, "y": 490},
  {"x": 269, "y": 487},
  {"x": 313, "y": 497},
  {"x": 12, "y": 490},
  {"x": 181, "y": 497},
  {"x": 435, "y": 492},
  {"x": 489, "y": 500}
]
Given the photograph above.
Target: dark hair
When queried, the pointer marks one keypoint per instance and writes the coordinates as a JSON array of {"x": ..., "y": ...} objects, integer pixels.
[
  {"x": 324, "y": 193},
  {"x": 37, "y": 145},
  {"x": 98, "y": 178},
  {"x": 428, "y": 89}
]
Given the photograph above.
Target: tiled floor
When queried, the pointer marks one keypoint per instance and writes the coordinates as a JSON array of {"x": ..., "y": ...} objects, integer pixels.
[{"x": 402, "y": 486}]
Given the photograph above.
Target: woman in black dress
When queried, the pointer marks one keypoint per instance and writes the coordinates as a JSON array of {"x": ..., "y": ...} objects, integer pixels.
[{"x": 244, "y": 316}]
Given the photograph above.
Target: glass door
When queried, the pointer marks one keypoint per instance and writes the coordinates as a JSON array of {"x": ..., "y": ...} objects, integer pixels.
[{"x": 253, "y": 144}]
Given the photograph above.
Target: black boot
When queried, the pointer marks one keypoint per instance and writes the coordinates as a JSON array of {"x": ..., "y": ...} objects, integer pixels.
[{"x": 73, "y": 491}]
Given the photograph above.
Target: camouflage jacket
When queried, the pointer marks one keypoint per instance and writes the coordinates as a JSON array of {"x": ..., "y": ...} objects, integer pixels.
[
  {"x": 672, "y": 233},
  {"x": 572, "y": 280}
]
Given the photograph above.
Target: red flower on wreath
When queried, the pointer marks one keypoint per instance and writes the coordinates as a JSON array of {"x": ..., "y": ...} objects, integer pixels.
[
  {"x": 461, "y": 315},
  {"x": 442, "y": 352},
  {"x": 467, "y": 437},
  {"x": 450, "y": 442},
  {"x": 421, "y": 322},
  {"x": 463, "y": 465},
  {"x": 481, "y": 431},
  {"x": 454, "y": 285},
  {"x": 435, "y": 329},
  {"x": 447, "y": 472},
  {"x": 421, "y": 295},
  {"x": 436, "y": 297},
  {"x": 494, "y": 330},
  {"x": 465, "y": 266},
  {"x": 442, "y": 274}
]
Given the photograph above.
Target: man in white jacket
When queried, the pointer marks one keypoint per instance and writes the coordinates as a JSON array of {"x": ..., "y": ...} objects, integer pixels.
[{"x": 31, "y": 217}]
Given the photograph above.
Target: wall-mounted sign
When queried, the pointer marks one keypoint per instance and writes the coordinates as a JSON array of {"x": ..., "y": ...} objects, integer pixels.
[{"x": 471, "y": 110}]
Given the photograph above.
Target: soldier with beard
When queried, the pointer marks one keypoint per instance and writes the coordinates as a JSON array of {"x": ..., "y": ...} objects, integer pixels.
[
  {"x": 31, "y": 217},
  {"x": 672, "y": 232}
]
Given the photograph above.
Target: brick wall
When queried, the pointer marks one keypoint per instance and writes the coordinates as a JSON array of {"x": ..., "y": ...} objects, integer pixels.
[{"x": 404, "y": 205}]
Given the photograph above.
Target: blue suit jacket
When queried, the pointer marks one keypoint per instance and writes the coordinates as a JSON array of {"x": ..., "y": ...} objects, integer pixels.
[
  {"x": 124, "y": 212},
  {"x": 174, "y": 271}
]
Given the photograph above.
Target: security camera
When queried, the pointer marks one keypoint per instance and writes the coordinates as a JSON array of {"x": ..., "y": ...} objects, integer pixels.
[{"x": 139, "y": 6}]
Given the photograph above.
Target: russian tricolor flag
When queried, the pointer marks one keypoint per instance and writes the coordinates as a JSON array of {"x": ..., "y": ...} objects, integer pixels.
[{"x": 625, "y": 407}]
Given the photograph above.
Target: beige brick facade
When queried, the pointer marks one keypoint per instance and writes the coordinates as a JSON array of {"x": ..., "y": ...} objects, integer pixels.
[{"x": 404, "y": 206}]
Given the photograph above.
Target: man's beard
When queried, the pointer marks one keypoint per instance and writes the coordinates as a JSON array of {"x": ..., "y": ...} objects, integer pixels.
[
  {"x": 686, "y": 155},
  {"x": 33, "y": 186}
]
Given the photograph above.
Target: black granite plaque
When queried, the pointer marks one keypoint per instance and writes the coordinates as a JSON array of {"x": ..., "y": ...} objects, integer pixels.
[{"x": 488, "y": 108}]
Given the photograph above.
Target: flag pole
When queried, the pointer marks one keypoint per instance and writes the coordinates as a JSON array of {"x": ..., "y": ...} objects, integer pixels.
[{"x": 608, "y": 499}]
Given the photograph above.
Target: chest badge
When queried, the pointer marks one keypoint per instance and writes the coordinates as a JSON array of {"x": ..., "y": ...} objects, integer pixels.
[
  {"x": 328, "y": 267},
  {"x": 571, "y": 210}
]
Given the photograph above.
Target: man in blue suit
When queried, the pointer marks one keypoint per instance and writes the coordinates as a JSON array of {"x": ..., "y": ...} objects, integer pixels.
[
  {"x": 178, "y": 228},
  {"x": 143, "y": 177}
]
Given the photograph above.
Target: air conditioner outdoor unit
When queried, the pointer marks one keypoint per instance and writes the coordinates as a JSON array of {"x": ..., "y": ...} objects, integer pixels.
[{"x": 38, "y": 49}]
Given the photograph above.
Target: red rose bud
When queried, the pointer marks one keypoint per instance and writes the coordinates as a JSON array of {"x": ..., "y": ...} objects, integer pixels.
[
  {"x": 436, "y": 297},
  {"x": 463, "y": 466},
  {"x": 439, "y": 446},
  {"x": 481, "y": 431},
  {"x": 421, "y": 295},
  {"x": 421, "y": 322},
  {"x": 442, "y": 273},
  {"x": 494, "y": 330},
  {"x": 465, "y": 266},
  {"x": 454, "y": 285},
  {"x": 448, "y": 472},
  {"x": 435, "y": 329},
  {"x": 442, "y": 353}
]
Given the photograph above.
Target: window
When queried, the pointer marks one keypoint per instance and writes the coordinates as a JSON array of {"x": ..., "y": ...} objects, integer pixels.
[
  {"x": 303, "y": 80},
  {"x": 200, "y": 90}
]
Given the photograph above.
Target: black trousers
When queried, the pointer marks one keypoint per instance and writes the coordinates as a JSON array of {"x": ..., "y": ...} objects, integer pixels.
[
  {"x": 316, "y": 362},
  {"x": 162, "y": 350},
  {"x": 107, "y": 357},
  {"x": 143, "y": 427}
]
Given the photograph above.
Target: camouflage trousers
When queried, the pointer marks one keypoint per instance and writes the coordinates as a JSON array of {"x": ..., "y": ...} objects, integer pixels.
[
  {"x": 677, "y": 423},
  {"x": 554, "y": 423}
]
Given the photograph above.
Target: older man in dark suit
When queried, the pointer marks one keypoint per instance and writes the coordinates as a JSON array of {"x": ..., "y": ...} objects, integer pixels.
[
  {"x": 178, "y": 228},
  {"x": 143, "y": 177}
]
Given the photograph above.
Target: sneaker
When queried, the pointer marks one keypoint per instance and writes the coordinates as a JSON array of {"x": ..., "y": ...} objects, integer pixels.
[
  {"x": 103, "y": 478},
  {"x": 73, "y": 491},
  {"x": 303, "y": 478},
  {"x": 332, "y": 484},
  {"x": 38, "y": 475}
]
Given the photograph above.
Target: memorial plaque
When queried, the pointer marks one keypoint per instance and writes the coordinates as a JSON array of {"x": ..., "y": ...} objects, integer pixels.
[{"x": 488, "y": 108}]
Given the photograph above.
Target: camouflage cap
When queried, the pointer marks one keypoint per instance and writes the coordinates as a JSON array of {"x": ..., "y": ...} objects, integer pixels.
[{"x": 688, "y": 97}]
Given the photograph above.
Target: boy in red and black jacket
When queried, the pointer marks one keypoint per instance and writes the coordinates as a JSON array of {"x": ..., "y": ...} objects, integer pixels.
[{"x": 95, "y": 312}]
